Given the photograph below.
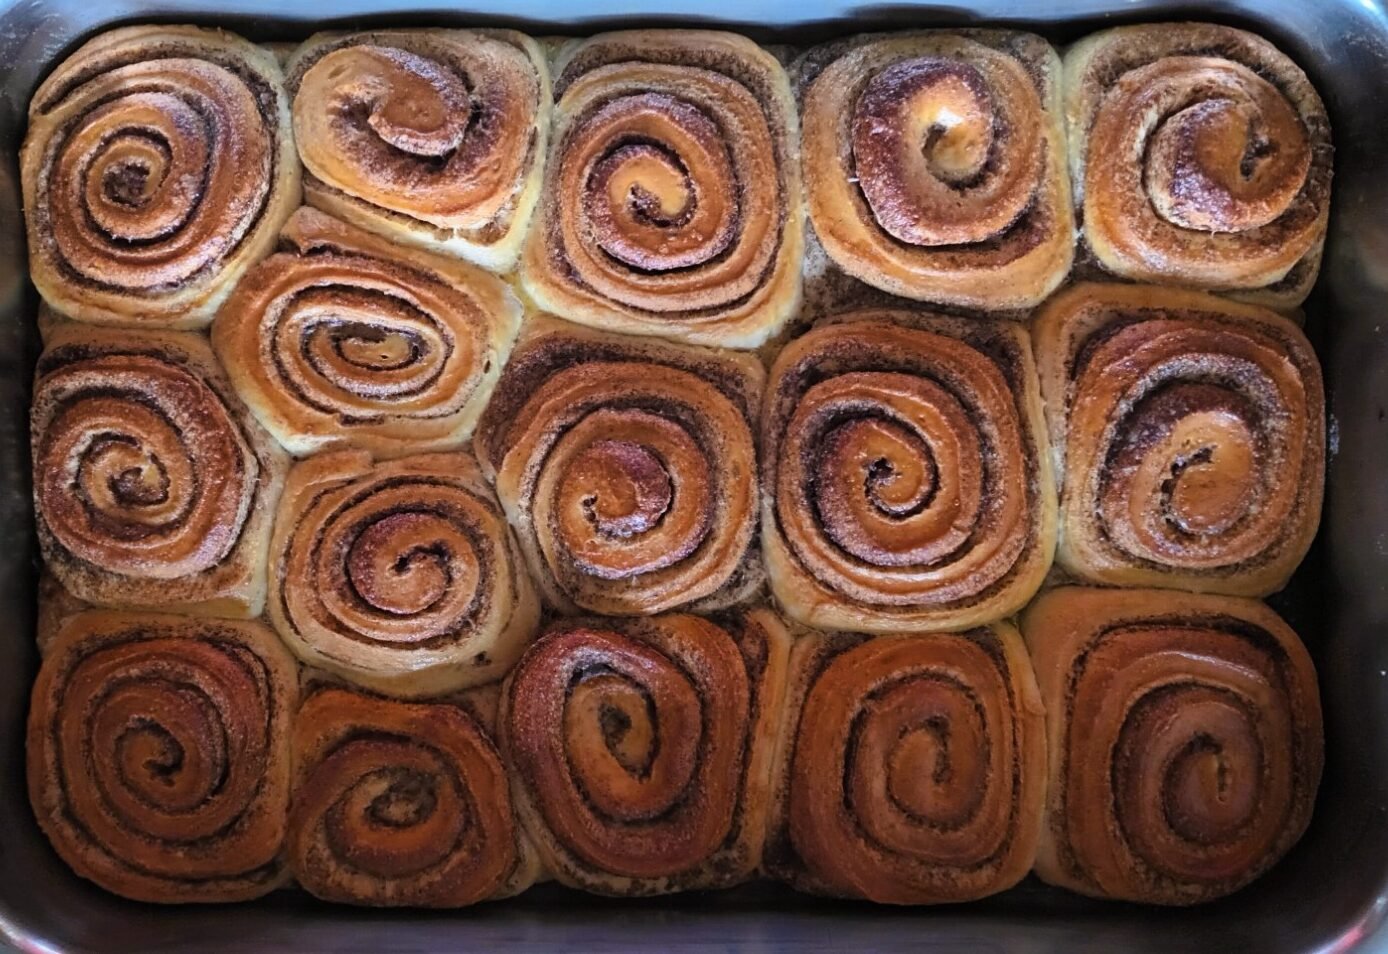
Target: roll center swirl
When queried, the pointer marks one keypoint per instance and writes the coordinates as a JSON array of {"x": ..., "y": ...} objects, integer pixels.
[
  {"x": 901, "y": 487},
  {"x": 630, "y": 489},
  {"x": 1230, "y": 155},
  {"x": 135, "y": 478},
  {"x": 1208, "y": 491},
  {"x": 414, "y": 103},
  {"x": 135, "y": 173},
  {"x": 399, "y": 816},
  {"x": 1190, "y": 767},
  {"x": 624, "y": 714},
  {"x": 1213, "y": 788},
  {"x": 148, "y": 166},
  {"x": 899, "y": 472},
  {"x": 664, "y": 195},
  {"x": 926, "y": 735},
  {"x": 629, "y": 504},
  {"x": 919, "y": 765},
  {"x": 376, "y": 349},
  {"x": 404, "y": 563},
  {"x": 409, "y": 799},
  {"x": 944, "y": 153},
  {"x": 1193, "y": 453}
]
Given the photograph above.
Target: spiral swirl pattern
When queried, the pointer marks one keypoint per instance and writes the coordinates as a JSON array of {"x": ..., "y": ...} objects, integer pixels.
[
  {"x": 628, "y": 469},
  {"x": 149, "y": 480},
  {"x": 1194, "y": 438},
  {"x": 909, "y": 473},
  {"x": 432, "y": 137},
  {"x": 934, "y": 165},
  {"x": 400, "y": 576},
  {"x": 640, "y": 749},
  {"x": 1185, "y": 738},
  {"x": 400, "y": 804},
  {"x": 914, "y": 767},
  {"x": 158, "y": 754},
  {"x": 158, "y": 165},
  {"x": 1204, "y": 156},
  {"x": 671, "y": 203},
  {"x": 350, "y": 340}
]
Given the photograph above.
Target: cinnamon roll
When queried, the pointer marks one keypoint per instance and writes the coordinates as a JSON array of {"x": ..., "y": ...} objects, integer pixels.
[
  {"x": 1191, "y": 432},
  {"x": 911, "y": 769},
  {"x": 640, "y": 750},
  {"x": 1185, "y": 741},
  {"x": 907, "y": 472},
  {"x": 672, "y": 197},
  {"x": 934, "y": 164},
  {"x": 158, "y": 754},
  {"x": 347, "y": 339},
  {"x": 158, "y": 165},
  {"x": 399, "y": 576},
  {"x": 1202, "y": 157},
  {"x": 628, "y": 469},
  {"x": 152, "y": 485},
  {"x": 402, "y": 804},
  {"x": 434, "y": 138}
]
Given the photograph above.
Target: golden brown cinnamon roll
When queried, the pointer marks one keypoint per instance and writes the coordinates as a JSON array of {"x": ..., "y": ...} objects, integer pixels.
[
  {"x": 911, "y": 769},
  {"x": 346, "y": 339},
  {"x": 1185, "y": 741},
  {"x": 158, "y": 754},
  {"x": 152, "y": 485},
  {"x": 672, "y": 194},
  {"x": 934, "y": 164},
  {"x": 1201, "y": 155},
  {"x": 628, "y": 468},
  {"x": 434, "y": 138},
  {"x": 907, "y": 473},
  {"x": 640, "y": 751},
  {"x": 1191, "y": 434},
  {"x": 402, "y": 804},
  {"x": 158, "y": 165},
  {"x": 400, "y": 576}
]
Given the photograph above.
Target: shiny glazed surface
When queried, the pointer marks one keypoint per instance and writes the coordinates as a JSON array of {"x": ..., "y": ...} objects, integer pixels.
[{"x": 1329, "y": 893}]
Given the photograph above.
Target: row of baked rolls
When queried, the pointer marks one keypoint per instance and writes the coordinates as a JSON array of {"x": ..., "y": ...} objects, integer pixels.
[
  {"x": 668, "y": 199},
  {"x": 906, "y": 479},
  {"x": 1190, "y": 433},
  {"x": 152, "y": 485},
  {"x": 346, "y": 339},
  {"x": 1201, "y": 156},
  {"x": 158, "y": 165},
  {"x": 1175, "y": 741},
  {"x": 159, "y": 755}
]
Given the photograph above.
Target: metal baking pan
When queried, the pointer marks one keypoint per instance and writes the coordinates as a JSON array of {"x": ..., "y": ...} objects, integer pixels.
[{"x": 1329, "y": 894}]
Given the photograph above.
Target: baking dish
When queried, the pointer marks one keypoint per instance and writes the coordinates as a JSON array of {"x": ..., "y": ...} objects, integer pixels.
[{"x": 1331, "y": 893}]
